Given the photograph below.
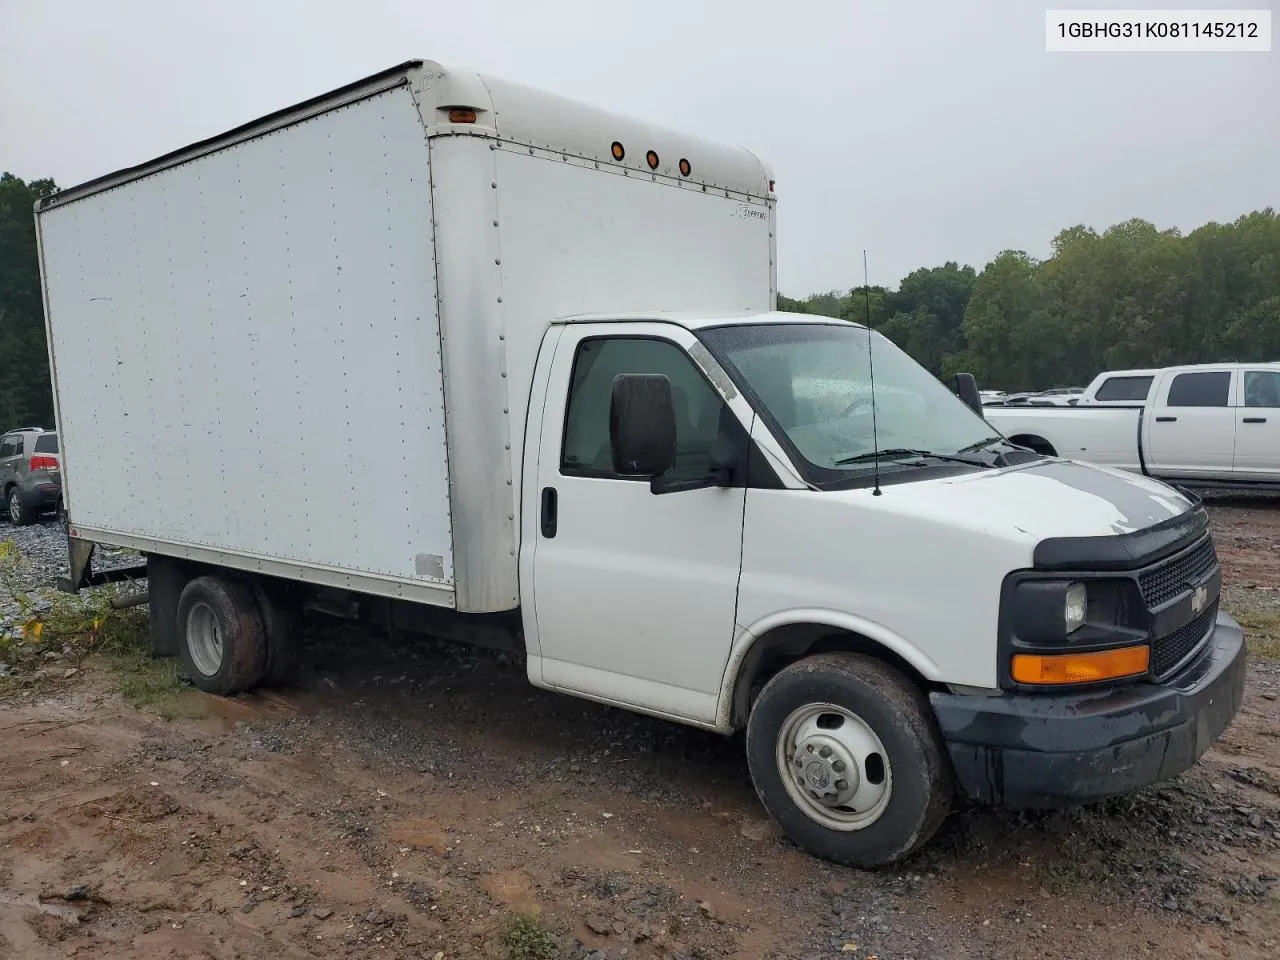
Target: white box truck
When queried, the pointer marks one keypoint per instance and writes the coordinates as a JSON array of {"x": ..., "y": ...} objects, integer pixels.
[{"x": 456, "y": 355}]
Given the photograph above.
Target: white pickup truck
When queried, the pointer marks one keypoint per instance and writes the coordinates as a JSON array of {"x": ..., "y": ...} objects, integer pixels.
[{"x": 1201, "y": 425}]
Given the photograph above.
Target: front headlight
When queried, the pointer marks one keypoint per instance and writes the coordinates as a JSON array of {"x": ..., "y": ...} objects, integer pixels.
[
  {"x": 1052, "y": 611},
  {"x": 1076, "y": 607}
]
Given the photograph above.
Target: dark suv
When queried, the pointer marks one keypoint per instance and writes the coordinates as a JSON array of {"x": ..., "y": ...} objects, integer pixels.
[{"x": 30, "y": 473}]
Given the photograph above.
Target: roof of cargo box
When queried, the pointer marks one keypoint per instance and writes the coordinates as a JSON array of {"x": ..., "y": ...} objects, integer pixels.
[{"x": 466, "y": 103}]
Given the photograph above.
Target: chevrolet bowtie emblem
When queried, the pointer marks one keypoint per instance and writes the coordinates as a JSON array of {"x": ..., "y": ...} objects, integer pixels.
[{"x": 1199, "y": 598}]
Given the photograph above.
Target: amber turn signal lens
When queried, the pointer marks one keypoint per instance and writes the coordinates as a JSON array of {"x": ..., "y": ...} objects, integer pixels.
[
  {"x": 651, "y": 158},
  {"x": 617, "y": 151},
  {"x": 1058, "y": 668},
  {"x": 462, "y": 116}
]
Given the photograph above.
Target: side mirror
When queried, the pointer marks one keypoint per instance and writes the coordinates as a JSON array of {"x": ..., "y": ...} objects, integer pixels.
[
  {"x": 642, "y": 425},
  {"x": 967, "y": 390}
]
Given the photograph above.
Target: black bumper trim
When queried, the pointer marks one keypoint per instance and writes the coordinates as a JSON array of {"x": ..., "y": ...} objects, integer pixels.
[{"x": 1035, "y": 750}]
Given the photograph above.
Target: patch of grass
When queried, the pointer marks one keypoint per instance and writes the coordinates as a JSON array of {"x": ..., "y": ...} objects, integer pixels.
[
  {"x": 154, "y": 685},
  {"x": 526, "y": 937},
  {"x": 1262, "y": 632},
  {"x": 77, "y": 626}
]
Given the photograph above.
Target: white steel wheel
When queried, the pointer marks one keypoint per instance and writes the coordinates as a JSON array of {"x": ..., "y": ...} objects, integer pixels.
[
  {"x": 834, "y": 766},
  {"x": 204, "y": 637},
  {"x": 847, "y": 758}
]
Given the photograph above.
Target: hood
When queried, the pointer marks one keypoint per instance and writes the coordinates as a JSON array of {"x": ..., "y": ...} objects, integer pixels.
[{"x": 1051, "y": 498}]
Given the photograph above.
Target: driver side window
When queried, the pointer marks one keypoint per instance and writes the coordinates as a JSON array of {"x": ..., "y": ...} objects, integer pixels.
[{"x": 700, "y": 411}]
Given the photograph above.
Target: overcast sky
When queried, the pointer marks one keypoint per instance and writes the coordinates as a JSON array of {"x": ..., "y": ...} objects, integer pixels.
[{"x": 923, "y": 131}]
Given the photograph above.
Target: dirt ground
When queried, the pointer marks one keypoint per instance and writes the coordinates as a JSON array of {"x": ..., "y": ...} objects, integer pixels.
[{"x": 416, "y": 801}]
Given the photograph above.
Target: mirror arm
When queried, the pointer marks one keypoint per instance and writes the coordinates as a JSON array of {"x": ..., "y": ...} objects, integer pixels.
[{"x": 716, "y": 478}]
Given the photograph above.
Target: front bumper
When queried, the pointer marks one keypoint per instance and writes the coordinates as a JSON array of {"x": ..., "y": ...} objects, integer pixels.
[{"x": 1037, "y": 750}]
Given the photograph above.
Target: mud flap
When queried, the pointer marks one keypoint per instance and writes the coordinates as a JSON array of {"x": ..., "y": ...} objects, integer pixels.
[{"x": 166, "y": 579}]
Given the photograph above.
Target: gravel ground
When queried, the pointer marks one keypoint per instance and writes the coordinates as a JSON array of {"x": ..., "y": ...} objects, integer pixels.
[
  {"x": 410, "y": 797},
  {"x": 39, "y": 559}
]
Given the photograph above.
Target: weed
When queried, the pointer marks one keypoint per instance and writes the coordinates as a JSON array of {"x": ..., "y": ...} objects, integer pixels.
[
  {"x": 1262, "y": 632},
  {"x": 526, "y": 937},
  {"x": 77, "y": 626}
]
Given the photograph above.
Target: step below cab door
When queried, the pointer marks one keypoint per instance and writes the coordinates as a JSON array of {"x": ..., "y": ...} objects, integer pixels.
[{"x": 633, "y": 593}]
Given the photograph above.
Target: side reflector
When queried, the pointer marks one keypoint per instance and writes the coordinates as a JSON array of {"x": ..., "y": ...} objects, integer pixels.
[
  {"x": 461, "y": 115},
  {"x": 1058, "y": 668},
  {"x": 651, "y": 158},
  {"x": 684, "y": 167},
  {"x": 617, "y": 150},
  {"x": 771, "y": 186}
]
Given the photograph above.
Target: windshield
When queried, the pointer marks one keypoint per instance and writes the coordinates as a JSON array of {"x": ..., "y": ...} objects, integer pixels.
[{"x": 812, "y": 380}]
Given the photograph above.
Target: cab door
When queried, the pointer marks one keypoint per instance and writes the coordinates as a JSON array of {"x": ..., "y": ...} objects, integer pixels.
[{"x": 634, "y": 593}]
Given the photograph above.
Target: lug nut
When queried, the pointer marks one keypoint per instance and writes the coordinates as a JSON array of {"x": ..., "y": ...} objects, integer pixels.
[
  {"x": 824, "y": 752},
  {"x": 838, "y": 766},
  {"x": 842, "y": 784}
]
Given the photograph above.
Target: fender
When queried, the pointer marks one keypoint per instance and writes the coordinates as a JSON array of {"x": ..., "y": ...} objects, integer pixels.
[{"x": 814, "y": 616}]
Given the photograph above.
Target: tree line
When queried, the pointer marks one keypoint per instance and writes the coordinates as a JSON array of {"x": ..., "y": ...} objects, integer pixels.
[
  {"x": 1131, "y": 296},
  {"x": 26, "y": 397}
]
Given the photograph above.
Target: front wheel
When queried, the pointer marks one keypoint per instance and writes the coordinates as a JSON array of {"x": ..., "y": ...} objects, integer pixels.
[{"x": 846, "y": 757}]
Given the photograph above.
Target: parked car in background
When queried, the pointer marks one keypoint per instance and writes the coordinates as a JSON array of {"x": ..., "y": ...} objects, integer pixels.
[
  {"x": 1048, "y": 398},
  {"x": 1067, "y": 395},
  {"x": 30, "y": 473},
  {"x": 1203, "y": 424}
]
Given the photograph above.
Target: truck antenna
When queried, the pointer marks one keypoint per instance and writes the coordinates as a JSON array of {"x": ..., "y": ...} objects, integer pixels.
[{"x": 875, "y": 439}]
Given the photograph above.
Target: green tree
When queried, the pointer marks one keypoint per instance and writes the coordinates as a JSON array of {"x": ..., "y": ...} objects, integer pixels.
[
  {"x": 927, "y": 313},
  {"x": 25, "y": 393},
  {"x": 1012, "y": 341}
]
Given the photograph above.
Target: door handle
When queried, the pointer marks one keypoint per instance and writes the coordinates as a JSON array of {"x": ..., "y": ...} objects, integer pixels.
[
  {"x": 550, "y": 504},
  {"x": 1255, "y": 419},
  {"x": 1166, "y": 419}
]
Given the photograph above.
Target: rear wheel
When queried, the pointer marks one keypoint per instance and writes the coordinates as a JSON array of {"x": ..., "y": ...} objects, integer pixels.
[
  {"x": 19, "y": 515},
  {"x": 281, "y": 616},
  {"x": 847, "y": 758},
  {"x": 221, "y": 638}
]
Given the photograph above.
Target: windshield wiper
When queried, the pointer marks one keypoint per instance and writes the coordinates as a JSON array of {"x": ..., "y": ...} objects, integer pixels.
[
  {"x": 973, "y": 447},
  {"x": 906, "y": 452}
]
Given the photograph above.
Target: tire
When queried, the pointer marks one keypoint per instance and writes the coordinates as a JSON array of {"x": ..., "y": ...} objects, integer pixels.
[
  {"x": 1035, "y": 445},
  {"x": 847, "y": 708},
  {"x": 234, "y": 658},
  {"x": 284, "y": 637},
  {"x": 16, "y": 508}
]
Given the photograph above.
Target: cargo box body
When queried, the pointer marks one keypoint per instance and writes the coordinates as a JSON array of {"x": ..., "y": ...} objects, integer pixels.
[{"x": 305, "y": 347}]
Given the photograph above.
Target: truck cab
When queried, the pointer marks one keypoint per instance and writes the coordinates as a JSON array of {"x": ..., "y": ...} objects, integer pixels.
[{"x": 721, "y": 528}]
